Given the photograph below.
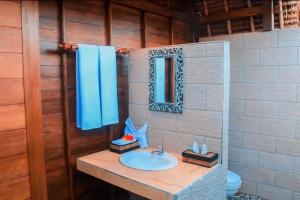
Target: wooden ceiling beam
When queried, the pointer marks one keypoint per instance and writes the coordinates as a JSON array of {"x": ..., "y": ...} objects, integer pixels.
[
  {"x": 239, "y": 13},
  {"x": 155, "y": 9},
  {"x": 243, "y": 12}
]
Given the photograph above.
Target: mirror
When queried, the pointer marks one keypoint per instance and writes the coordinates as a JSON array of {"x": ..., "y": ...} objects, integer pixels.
[{"x": 166, "y": 80}]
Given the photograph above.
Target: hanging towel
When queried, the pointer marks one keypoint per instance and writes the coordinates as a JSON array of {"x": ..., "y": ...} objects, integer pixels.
[
  {"x": 108, "y": 85},
  {"x": 88, "y": 99},
  {"x": 140, "y": 134}
]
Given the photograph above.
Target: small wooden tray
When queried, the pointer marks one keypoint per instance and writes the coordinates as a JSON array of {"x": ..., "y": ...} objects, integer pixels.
[
  {"x": 208, "y": 160},
  {"x": 124, "y": 148}
]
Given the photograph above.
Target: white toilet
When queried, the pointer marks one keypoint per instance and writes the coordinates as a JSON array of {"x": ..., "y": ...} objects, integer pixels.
[{"x": 233, "y": 183}]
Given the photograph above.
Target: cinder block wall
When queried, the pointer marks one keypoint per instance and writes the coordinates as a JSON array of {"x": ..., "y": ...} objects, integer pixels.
[
  {"x": 264, "y": 136},
  {"x": 202, "y": 117},
  {"x": 206, "y": 109}
]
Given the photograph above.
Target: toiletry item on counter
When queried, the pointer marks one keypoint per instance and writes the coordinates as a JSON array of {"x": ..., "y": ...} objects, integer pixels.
[
  {"x": 124, "y": 144},
  {"x": 207, "y": 160},
  {"x": 204, "y": 150},
  {"x": 196, "y": 147}
]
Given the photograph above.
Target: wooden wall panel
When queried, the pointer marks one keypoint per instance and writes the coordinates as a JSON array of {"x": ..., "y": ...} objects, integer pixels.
[
  {"x": 14, "y": 175},
  {"x": 14, "y": 91},
  {"x": 15, "y": 143},
  {"x": 13, "y": 117},
  {"x": 85, "y": 23},
  {"x": 158, "y": 30},
  {"x": 56, "y": 171},
  {"x": 11, "y": 39},
  {"x": 15, "y": 189},
  {"x": 11, "y": 65},
  {"x": 14, "y": 167},
  {"x": 183, "y": 32},
  {"x": 10, "y": 14},
  {"x": 126, "y": 27}
]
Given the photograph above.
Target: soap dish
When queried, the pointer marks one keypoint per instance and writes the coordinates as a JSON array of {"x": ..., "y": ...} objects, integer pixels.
[
  {"x": 208, "y": 160},
  {"x": 122, "y": 148}
]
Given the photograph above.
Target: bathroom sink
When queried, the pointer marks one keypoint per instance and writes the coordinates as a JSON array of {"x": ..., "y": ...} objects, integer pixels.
[{"x": 145, "y": 160}]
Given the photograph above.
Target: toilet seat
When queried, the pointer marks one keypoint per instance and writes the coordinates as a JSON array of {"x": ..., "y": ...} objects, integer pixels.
[{"x": 233, "y": 181}]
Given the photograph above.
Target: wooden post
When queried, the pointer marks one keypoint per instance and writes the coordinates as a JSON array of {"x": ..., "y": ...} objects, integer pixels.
[
  {"x": 194, "y": 24},
  {"x": 228, "y": 22},
  {"x": 33, "y": 103},
  {"x": 268, "y": 15},
  {"x": 108, "y": 21},
  {"x": 206, "y": 13},
  {"x": 194, "y": 33},
  {"x": 108, "y": 33},
  {"x": 171, "y": 31},
  {"x": 281, "y": 21},
  {"x": 67, "y": 140},
  {"x": 143, "y": 29},
  {"x": 252, "y": 27}
]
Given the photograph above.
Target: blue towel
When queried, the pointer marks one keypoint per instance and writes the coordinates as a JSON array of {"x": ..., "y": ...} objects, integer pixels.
[
  {"x": 88, "y": 100},
  {"x": 108, "y": 85},
  {"x": 140, "y": 134}
]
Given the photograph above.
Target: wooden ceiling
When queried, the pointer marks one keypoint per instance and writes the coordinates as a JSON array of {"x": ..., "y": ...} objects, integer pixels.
[{"x": 219, "y": 17}]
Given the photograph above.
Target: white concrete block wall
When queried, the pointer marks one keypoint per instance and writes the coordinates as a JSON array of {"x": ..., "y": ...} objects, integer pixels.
[
  {"x": 264, "y": 136},
  {"x": 205, "y": 110}
]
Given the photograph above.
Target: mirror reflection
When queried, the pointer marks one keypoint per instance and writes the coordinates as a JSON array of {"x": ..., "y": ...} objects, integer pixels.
[{"x": 165, "y": 79}]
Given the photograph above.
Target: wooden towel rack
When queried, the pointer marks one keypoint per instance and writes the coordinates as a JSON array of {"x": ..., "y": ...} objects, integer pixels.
[{"x": 74, "y": 47}]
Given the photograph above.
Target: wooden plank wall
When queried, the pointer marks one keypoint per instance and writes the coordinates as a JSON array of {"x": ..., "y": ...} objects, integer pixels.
[
  {"x": 85, "y": 23},
  {"x": 14, "y": 175},
  {"x": 57, "y": 178}
]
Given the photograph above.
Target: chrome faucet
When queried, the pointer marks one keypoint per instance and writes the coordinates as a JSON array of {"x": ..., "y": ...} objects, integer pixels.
[{"x": 159, "y": 151}]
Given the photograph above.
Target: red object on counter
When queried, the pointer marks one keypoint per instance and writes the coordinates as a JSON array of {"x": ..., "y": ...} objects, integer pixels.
[{"x": 128, "y": 137}]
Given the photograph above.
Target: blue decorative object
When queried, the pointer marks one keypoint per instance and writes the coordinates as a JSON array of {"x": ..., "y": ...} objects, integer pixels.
[{"x": 139, "y": 134}]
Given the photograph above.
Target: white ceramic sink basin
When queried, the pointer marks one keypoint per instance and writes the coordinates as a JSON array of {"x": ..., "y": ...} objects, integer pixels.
[{"x": 144, "y": 160}]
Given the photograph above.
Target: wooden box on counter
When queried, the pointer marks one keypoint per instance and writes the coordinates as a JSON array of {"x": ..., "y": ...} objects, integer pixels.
[
  {"x": 124, "y": 148},
  {"x": 208, "y": 160}
]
